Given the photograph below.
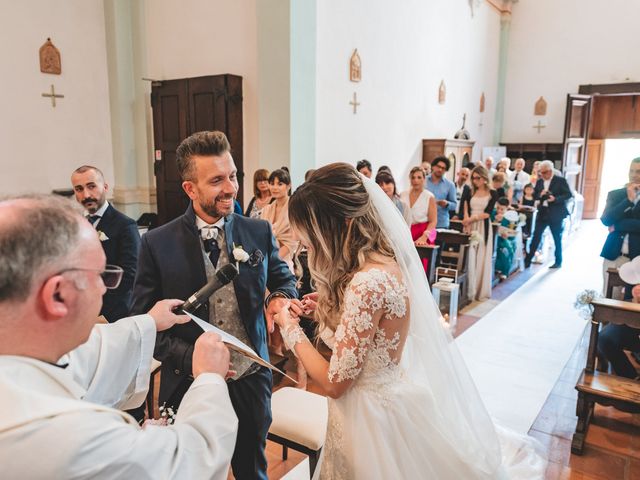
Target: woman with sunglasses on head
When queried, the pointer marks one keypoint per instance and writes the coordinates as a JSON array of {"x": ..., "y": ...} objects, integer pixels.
[{"x": 477, "y": 212}]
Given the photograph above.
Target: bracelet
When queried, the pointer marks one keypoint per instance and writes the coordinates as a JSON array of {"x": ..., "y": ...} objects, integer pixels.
[
  {"x": 273, "y": 295},
  {"x": 292, "y": 334}
]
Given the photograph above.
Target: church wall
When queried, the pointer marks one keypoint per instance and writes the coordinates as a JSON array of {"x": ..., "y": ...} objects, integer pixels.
[
  {"x": 406, "y": 51},
  {"x": 556, "y": 46},
  {"x": 42, "y": 145},
  {"x": 194, "y": 38}
]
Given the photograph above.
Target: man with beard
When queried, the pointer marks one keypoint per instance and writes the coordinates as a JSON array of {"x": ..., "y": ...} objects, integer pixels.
[
  {"x": 118, "y": 235},
  {"x": 178, "y": 258}
]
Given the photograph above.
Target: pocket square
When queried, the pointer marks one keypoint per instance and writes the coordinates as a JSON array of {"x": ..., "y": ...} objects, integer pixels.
[{"x": 255, "y": 258}]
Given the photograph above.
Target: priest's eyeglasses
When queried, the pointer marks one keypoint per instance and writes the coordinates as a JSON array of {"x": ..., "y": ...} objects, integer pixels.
[{"x": 111, "y": 275}]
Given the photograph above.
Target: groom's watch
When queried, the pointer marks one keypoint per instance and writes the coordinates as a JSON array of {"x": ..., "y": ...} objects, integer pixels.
[{"x": 273, "y": 295}]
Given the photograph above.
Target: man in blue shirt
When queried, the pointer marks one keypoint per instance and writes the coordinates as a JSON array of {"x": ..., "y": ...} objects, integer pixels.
[{"x": 444, "y": 190}]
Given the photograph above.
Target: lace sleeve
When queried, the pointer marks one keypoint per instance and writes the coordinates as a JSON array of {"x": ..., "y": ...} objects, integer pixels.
[{"x": 363, "y": 308}]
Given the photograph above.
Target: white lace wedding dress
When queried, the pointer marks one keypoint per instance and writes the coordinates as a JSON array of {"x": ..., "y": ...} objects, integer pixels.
[{"x": 411, "y": 410}]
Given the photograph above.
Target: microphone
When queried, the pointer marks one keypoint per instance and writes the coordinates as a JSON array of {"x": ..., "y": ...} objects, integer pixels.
[{"x": 223, "y": 276}]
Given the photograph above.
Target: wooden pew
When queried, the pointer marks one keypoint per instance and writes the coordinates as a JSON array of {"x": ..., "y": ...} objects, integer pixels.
[
  {"x": 430, "y": 253},
  {"x": 613, "y": 280},
  {"x": 599, "y": 387},
  {"x": 454, "y": 252}
]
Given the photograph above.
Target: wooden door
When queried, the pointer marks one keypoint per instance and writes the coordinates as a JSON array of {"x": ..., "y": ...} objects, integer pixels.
[
  {"x": 576, "y": 131},
  {"x": 185, "y": 106},
  {"x": 169, "y": 102},
  {"x": 592, "y": 175}
]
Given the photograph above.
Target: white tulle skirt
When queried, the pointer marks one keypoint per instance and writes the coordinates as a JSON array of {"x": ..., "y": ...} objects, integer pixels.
[{"x": 389, "y": 430}]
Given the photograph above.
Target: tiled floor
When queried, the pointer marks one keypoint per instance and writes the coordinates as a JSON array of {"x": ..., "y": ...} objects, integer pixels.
[{"x": 612, "y": 447}]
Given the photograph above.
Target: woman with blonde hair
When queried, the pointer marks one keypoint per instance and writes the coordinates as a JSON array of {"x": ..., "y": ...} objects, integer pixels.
[
  {"x": 402, "y": 404},
  {"x": 261, "y": 194},
  {"x": 477, "y": 220}
]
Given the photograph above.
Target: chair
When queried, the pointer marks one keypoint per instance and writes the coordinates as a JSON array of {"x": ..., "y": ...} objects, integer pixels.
[{"x": 299, "y": 422}]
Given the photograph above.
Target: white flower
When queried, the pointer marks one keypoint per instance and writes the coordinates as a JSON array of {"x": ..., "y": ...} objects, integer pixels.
[
  {"x": 102, "y": 236},
  {"x": 239, "y": 254}
]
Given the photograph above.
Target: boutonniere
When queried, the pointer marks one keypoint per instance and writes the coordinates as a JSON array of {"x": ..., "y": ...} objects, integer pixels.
[
  {"x": 239, "y": 255},
  {"x": 102, "y": 236}
]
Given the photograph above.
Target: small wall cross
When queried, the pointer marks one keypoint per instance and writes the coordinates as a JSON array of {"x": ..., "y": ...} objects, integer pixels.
[
  {"x": 355, "y": 103},
  {"x": 53, "y": 96},
  {"x": 539, "y": 126}
]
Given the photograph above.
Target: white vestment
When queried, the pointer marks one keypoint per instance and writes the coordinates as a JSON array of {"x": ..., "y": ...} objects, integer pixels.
[{"x": 64, "y": 423}]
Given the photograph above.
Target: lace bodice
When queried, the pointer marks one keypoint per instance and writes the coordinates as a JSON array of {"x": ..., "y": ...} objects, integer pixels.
[{"x": 372, "y": 330}]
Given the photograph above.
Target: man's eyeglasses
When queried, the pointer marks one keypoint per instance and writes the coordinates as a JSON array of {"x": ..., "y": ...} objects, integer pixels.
[{"x": 111, "y": 275}]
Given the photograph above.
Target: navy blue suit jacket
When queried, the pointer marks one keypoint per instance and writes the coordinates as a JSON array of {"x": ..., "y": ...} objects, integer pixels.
[
  {"x": 556, "y": 210},
  {"x": 624, "y": 217},
  {"x": 171, "y": 266},
  {"x": 121, "y": 249}
]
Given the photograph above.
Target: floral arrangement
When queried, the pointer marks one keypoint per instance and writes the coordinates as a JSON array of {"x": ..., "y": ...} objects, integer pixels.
[
  {"x": 167, "y": 414},
  {"x": 583, "y": 303},
  {"x": 475, "y": 237}
]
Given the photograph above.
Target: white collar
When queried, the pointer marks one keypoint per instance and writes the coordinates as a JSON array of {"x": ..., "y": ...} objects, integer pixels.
[
  {"x": 206, "y": 229},
  {"x": 100, "y": 211}
]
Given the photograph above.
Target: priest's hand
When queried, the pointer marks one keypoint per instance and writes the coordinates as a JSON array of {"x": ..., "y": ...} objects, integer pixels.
[
  {"x": 210, "y": 355},
  {"x": 163, "y": 315}
]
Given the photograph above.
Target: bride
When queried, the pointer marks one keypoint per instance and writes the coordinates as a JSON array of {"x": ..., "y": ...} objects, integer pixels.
[{"x": 402, "y": 402}]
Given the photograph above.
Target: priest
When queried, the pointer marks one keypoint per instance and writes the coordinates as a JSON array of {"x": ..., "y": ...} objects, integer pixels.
[{"x": 65, "y": 381}]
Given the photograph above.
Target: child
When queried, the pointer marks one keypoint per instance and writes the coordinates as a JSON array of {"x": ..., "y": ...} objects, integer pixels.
[
  {"x": 506, "y": 245},
  {"x": 527, "y": 199}
]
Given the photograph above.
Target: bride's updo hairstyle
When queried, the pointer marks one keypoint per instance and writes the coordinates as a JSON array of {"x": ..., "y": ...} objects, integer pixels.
[{"x": 334, "y": 217}]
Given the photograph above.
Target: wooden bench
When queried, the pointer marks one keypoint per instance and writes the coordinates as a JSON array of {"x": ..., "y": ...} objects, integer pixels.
[
  {"x": 613, "y": 280},
  {"x": 429, "y": 253},
  {"x": 454, "y": 252},
  {"x": 599, "y": 387}
]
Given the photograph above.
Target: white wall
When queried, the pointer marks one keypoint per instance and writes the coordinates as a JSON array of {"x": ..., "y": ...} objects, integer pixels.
[
  {"x": 406, "y": 51},
  {"x": 42, "y": 145},
  {"x": 554, "y": 47},
  {"x": 193, "y": 38}
]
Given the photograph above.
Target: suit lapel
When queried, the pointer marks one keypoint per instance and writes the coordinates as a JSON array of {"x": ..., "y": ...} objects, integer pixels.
[{"x": 228, "y": 235}]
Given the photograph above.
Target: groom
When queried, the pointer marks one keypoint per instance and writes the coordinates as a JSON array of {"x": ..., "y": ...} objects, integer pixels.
[{"x": 178, "y": 258}]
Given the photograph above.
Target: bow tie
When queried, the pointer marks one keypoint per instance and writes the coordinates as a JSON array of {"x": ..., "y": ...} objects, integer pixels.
[{"x": 209, "y": 231}]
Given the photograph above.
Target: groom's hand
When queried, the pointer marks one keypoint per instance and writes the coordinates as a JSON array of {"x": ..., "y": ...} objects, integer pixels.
[{"x": 278, "y": 303}]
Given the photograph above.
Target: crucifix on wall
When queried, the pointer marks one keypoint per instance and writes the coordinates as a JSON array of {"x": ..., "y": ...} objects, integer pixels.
[
  {"x": 539, "y": 126},
  {"x": 355, "y": 103},
  {"x": 53, "y": 95}
]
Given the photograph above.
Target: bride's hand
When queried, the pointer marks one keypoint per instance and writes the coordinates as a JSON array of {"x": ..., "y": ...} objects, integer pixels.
[
  {"x": 309, "y": 304},
  {"x": 284, "y": 316}
]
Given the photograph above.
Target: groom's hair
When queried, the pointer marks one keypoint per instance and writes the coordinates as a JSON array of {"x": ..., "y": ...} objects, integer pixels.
[
  {"x": 36, "y": 232},
  {"x": 204, "y": 144}
]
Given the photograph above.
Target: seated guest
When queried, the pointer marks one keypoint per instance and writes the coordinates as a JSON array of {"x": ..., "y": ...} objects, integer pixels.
[
  {"x": 443, "y": 190},
  {"x": 622, "y": 217},
  {"x": 65, "y": 380},
  {"x": 118, "y": 235},
  {"x": 365, "y": 168},
  {"x": 535, "y": 174},
  {"x": 277, "y": 213},
  {"x": 477, "y": 211},
  {"x": 424, "y": 217},
  {"x": 506, "y": 244},
  {"x": 504, "y": 164},
  {"x": 384, "y": 168},
  {"x": 615, "y": 339},
  {"x": 261, "y": 194},
  {"x": 388, "y": 184}
]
